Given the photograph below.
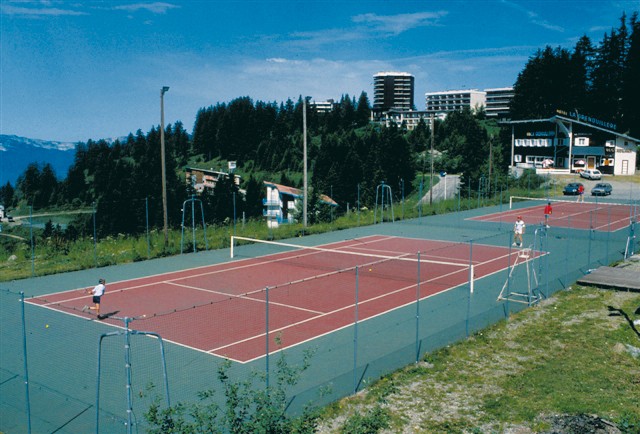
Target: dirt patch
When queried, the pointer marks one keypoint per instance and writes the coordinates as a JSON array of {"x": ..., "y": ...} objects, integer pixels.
[{"x": 583, "y": 423}]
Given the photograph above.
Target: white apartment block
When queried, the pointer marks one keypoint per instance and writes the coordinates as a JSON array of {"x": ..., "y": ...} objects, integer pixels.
[
  {"x": 498, "y": 102},
  {"x": 410, "y": 119},
  {"x": 323, "y": 106},
  {"x": 454, "y": 100}
]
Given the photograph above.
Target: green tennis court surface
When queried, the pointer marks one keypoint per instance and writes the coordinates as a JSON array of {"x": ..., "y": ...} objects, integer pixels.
[{"x": 61, "y": 360}]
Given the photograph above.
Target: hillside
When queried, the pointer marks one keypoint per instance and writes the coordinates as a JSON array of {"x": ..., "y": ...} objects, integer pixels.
[
  {"x": 569, "y": 365},
  {"x": 16, "y": 153}
]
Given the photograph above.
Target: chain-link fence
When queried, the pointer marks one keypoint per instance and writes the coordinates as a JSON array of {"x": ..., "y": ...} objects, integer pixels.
[{"x": 66, "y": 373}]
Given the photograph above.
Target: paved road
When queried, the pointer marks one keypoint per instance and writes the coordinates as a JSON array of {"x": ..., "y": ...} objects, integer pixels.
[
  {"x": 446, "y": 188},
  {"x": 623, "y": 190}
]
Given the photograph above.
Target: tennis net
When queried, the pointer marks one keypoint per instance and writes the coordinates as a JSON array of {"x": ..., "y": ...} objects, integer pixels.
[{"x": 349, "y": 255}]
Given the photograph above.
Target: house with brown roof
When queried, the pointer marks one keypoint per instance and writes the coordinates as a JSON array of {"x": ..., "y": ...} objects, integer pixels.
[{"x": 281, "y": 203}]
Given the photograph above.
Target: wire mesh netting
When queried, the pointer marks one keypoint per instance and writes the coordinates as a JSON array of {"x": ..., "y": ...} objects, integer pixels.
[{"x": 64, "y": 371}]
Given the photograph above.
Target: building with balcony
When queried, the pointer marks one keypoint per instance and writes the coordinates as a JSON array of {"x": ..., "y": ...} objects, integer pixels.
[
  {"x": 281, "y": 203},
  {"x": 393, "y": 90},
  {"x": 200, "y": 179},
  {"x": 439, "y": 103},
  {"x": 498, "y": 103},
  {"x": 323, "y": 106},
  {"x": 570, "y": 142},
  {"x": 410, "y": 119}
]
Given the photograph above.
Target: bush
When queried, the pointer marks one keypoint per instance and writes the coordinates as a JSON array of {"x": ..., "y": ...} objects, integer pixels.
[
  {"x": 249, "y": 406},
  {"x": 371, "y": 422}
]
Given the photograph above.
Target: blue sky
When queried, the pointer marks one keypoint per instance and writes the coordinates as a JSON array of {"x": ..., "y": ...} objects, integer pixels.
[{"x": 79, "y": 70}]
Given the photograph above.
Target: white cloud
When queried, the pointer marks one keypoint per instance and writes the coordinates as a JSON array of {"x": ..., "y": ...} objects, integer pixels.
[
  {"x": 368, "y": 26},
  {"x": 37, "y": 10},
  {"x": 277, "y": 60},
  {"x": 155, "y": 8},
  {"x": 534, "y": 18},
  {"x": 396, "y": 24}
]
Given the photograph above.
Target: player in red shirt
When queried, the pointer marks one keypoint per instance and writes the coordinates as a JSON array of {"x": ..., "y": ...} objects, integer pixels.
[{"x": 547, "y": 212}]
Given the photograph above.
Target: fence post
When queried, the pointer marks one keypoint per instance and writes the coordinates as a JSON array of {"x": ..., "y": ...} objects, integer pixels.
[
  {"x": 95, "y": 238},
  {"x": 33, "y": 256},
  {"x": 26, "y": 366},
  {"x": 420, "y": 203},
  {"x": 470, "y": 286},
  {"x": 418, "y": 313},
  {"x": 509, "y": 266},
  {"x": 608, "y": 237},
  {"x": 358, "y": 208},
  {"x": 146, "y": 211},
  {"x": 127, "y": 360},
  {"x": 266, "y": 329},
  {"x": 566, "y": 254},
  {"x": 590, "y": 236},
  {"x": 355, "y": 339}
]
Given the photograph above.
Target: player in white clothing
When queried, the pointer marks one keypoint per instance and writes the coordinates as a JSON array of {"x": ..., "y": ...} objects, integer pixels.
[
  {"x": 518, "y": 231},
  {"x": 97, "y": 292}
]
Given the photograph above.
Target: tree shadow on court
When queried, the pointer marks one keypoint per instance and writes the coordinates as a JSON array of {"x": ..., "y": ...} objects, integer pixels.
[{"x": 108, "y": 315}]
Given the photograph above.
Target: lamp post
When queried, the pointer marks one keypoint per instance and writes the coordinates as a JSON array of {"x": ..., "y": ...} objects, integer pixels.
[
  {"x": 164, "y": 175},
  {"x": 305, "y": 187}
]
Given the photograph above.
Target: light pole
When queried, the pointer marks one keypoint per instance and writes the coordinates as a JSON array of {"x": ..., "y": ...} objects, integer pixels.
[
  {"x": 164, "y": 174},
  {"x": 305, "y": 192}
]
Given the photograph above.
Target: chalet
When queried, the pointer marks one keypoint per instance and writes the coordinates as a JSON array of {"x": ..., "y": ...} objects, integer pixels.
[
  {"x": 571, "y": 142},
  {"x": 281, "y": 203},
  {"x": 200, "y": 179}
]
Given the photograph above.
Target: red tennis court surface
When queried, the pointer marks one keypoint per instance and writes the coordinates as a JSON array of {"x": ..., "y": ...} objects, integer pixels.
[
  {"x": 583, "y": 215},
  {"x": 221, "y": 309}
]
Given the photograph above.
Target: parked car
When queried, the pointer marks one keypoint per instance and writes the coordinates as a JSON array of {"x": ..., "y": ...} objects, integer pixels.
[
  {"x": 591, "y": 174},
  {"x": 601, "y": 189},
  {"x": 571, "y": 189}
]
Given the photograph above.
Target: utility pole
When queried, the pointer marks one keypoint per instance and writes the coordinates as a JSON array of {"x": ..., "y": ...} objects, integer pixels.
[
  {"x": 164, "y": 170},
  {"x": 304, "y": 157}
]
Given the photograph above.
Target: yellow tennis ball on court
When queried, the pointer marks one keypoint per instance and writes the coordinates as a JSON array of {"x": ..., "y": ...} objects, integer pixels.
[
  {"x": 47, "y": 326},
  {"x": 369, "y": 269}
]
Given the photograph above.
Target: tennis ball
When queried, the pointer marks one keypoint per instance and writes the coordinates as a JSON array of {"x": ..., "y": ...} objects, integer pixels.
[
  {"x": 369, "y": 269},
  {"x": 47, "y": 326}
]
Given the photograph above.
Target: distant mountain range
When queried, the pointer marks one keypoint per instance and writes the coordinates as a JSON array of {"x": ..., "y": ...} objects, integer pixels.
[{"x": 16, "y": 153}]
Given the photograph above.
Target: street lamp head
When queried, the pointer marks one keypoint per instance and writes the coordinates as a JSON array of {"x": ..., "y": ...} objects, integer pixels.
[{"x": 164, "y": 89}]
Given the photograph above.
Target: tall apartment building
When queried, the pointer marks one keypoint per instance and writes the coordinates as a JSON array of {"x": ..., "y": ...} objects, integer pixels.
[
  {"x": 453, "y": 101},
  {"x": 392, "y": 90},
  {"x": 499, "y": 102}
]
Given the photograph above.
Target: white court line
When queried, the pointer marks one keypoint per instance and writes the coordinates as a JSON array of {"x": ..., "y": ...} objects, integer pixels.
[
  {"x": 170, "y": 281},
  {"x": 246, "y": 297},
  {"x": 554, "y": 217},
  {"x": 319, "y": 315},
  {"x": 349, "y": 306},
  {"x": 183, "y": 271}
]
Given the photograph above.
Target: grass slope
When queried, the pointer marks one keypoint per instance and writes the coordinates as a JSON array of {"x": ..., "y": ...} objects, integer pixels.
[{"x": 566, "y": 356}]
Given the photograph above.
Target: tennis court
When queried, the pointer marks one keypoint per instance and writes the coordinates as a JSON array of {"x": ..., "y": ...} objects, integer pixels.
[
  {"x": 290, "y": 293},
  {"x": 271, "y": 301},
  {"x": 594, "y": 215}
]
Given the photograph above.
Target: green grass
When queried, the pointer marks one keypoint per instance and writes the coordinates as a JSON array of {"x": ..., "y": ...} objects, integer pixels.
[
  {"x": 17, "y": 261},
  {"x": 565, "y": 356}
]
